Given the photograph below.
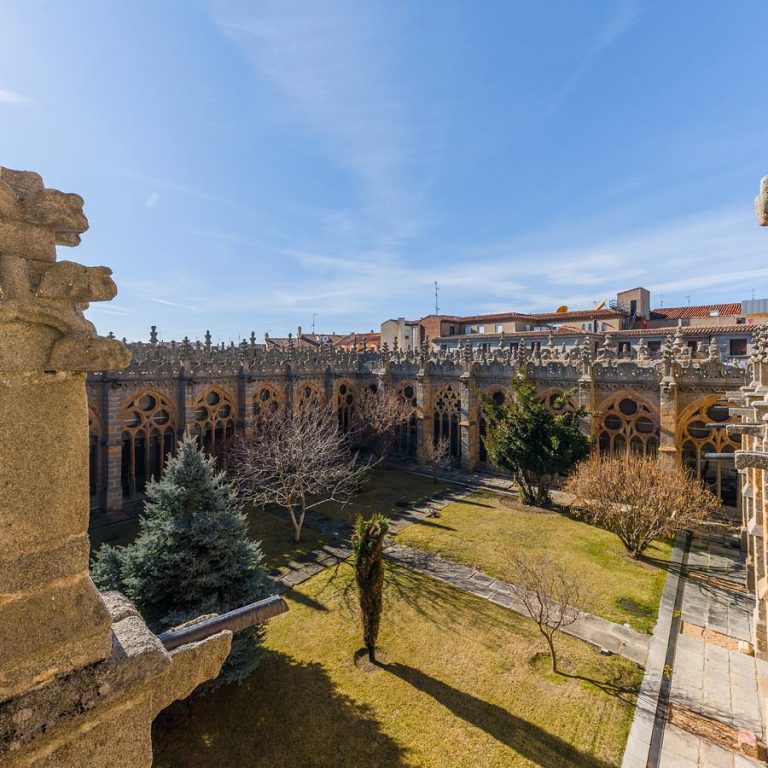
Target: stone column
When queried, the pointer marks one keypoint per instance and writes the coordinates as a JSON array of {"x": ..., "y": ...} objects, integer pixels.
[
  {"x": 424, "y": 428},
  {"x": 113, "y": 448},
  {"x": 468, "y": 425},
  {"x": 68, "y": 665},
  {"x": 668, "y": 413}
]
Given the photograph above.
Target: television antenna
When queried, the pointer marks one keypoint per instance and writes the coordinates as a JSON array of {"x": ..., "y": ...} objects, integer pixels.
[{"x": 437, "y": 308}]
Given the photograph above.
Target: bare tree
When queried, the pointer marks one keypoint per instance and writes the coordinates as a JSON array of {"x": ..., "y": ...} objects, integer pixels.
[
  {"x": 298, "y": 461},
  {"x": 639, "y": 498},
  {"x": 437, "y": 456},
  {"x": 549, "y": 594},
  {"x": 381, "y": 413}
]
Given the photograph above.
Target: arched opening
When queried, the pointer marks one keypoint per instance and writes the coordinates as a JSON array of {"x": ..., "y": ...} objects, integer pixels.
[
  {"x": 445, "y": 418},
  {"x": 406, "y": 431},
  {"x": 310, "y": 396},
  {"x": 148, "y": 437},
  {"x": 697, "y": 440},
  {"x": 627, "y": 424},
  {"x": 214, "y": 413},
  {"x": 499, "y": 398},
  {"x": 345, "y": 401},
  {"x": 267, "y": 400}
]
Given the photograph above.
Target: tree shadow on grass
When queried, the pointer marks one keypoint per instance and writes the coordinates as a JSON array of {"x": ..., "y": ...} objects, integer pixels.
[
  {"x": 287, "y": 714},
  {"x": 528, "y": 740},
  {"x": 430, "y": 522},
  {"x": 304, "y": 599}
]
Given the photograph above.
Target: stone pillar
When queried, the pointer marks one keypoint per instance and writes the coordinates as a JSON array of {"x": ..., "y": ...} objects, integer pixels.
[
  {"x": 113, "y": 449},
  {"x": 468, "y": 425},
  {"x": 424, "y": 429},
  {"x": 75, "y": 679},
  {"x": 668, "y": 412}
]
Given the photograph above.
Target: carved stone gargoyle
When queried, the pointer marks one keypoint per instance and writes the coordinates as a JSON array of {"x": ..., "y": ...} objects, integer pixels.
[{"x": 42, "y": 326}]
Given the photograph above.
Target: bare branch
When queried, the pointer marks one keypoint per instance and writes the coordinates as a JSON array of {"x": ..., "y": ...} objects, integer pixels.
[
  {"x": 550, "y": 594},
  {"x": 639, "y": 498},
  {"x": 381, "y": 413},
  {"x": 297, "y": 461}
]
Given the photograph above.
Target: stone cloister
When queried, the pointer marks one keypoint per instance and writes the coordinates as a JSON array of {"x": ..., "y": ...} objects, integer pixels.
[{"x": 647, "y": 404}]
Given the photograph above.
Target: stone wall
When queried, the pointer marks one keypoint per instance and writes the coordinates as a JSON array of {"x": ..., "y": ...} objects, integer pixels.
[
  {"x": 81, "y": 676},
  {"x": 644, "y": 403}
]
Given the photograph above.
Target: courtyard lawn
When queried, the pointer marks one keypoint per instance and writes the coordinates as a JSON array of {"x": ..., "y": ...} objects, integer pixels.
[
  {"x": 272, "y": 529},
  {"x": 464, "y": 683},
  {"x": 388, "y": 491},
  {"x": 480, "y": 531},
  {"x": 275, "y": 532}
]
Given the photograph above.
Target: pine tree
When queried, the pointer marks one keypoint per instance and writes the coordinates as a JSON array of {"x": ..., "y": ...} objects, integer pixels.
[
  {"x": 531, "y": 442},
  {"x": 192, "y": 556},
  {"x": 367, "y": 544}
]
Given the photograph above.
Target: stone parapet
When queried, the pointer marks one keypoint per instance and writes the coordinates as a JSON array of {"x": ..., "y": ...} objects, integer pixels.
[{"x": 81, "y": 678}]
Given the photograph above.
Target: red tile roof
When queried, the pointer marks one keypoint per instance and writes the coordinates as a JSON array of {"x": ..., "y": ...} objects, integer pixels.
[
  {"x": 702, "y": 310},
  {"x": 578, "y": 314},
  {"x": 690, "y": 330},
  {"x": 513, "y": 335}
]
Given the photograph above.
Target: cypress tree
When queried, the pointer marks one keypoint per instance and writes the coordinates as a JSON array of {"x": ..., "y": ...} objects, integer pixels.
[
  {"x": 192, "y": 556},
  {"x": 367, "y": 544}
]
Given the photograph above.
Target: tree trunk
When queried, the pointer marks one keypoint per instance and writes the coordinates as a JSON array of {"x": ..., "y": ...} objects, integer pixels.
[
  {"x": 551, "y": 644},
  {"x": 297, "y": 524}
]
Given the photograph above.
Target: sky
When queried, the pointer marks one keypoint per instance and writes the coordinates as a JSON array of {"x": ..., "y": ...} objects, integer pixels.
[{"x": 255, "y": 166}]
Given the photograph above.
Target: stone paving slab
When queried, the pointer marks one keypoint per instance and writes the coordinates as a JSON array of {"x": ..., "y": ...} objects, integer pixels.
[
  {"x": 684, "y": 750},
  {"x": 592, "y": 629},
  {"x": 712, "y": 604}
]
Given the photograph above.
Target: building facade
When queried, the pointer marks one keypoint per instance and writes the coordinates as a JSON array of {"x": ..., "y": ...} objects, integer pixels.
[{"x": 648, "y": 402}]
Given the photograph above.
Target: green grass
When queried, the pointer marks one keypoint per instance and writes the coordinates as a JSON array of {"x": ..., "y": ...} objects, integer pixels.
[
  {"x": 275, "y": 532},
  {"x": 272, "y": 529},
  {"x": 481, "y": 530},
  {"x": 387, "y": 491},
  {"x": 464, "y": 685}
]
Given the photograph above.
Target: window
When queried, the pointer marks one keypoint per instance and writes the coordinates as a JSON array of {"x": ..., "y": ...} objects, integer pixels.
[
  {"x": 499, "y": 328},
  {"x": 625, "y": 347},
  {"x": 738, "y": 347},
  {"x": 741, "y": 321},
  {"x": 451, "y": 330},
  {"x": 467, "y": 329},
  {"x": 654, "y": 346},
  {"x": 481, "y": 329}
]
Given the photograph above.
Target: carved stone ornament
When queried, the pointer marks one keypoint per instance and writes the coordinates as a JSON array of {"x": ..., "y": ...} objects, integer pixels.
[{"x": 42, "y": 326}]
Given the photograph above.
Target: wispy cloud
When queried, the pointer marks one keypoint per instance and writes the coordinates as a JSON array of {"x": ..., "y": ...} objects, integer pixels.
[
  {"x": 336, "y": 69},
  {"x": 624, "y": 16},
  {"x": 175, "y": 304},
  {"x": 11, "y": 97}
]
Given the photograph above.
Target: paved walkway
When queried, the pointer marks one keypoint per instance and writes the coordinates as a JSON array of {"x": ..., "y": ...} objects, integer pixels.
[
  {"x": 599, "y": 632},
  {"x": 712, "y": 696}
]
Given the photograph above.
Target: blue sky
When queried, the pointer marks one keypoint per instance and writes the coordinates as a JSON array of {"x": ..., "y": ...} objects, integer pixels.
[{"x": 248, "y": 164}]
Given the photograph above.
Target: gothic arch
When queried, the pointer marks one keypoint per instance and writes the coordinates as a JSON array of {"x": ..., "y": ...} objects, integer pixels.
[
  {"x": 499, "y": 395},
  {"x": 550, "y": 398},
  {"x": 308, "y": 393},
  {"x": 694, "y": 441},
  {"x": 148, "y": 422},
  {"x": 446, "y": 412},
  {"x": 406, "y": 432},
  {"x": 214, "y": 413},
  {"x": 267, "y": 399},
  {"x": 627, "y": 422},
  {"x": 345, "y": 404}
]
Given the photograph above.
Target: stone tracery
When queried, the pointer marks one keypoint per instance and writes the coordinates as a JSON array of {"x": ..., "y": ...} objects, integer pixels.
[{"x": 148, "y": 421}]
